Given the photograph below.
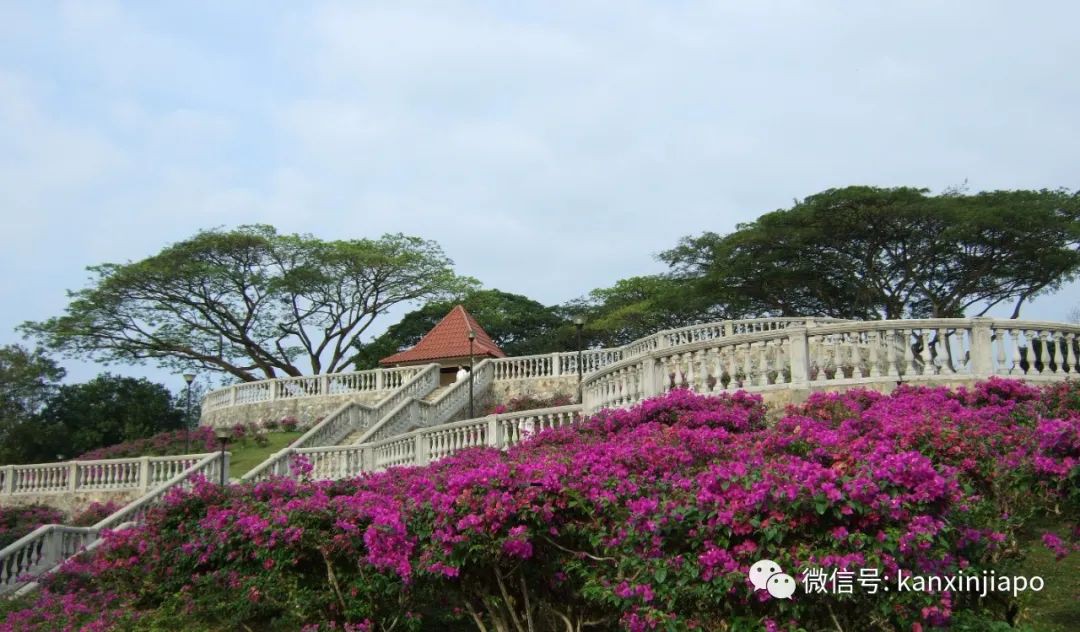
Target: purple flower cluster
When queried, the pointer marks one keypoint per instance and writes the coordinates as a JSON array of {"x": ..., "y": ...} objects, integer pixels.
[
  {"x": 638, "y": 519},
  {"x": 15, "y": 522}
]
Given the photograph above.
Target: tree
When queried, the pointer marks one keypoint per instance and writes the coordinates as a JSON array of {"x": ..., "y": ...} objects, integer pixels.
[
  {"x": 639, "y": 306},
  {"x": 248, "y": 302},
  {"x": 104, "y": 411},
  {"x": 518, "y": 324},
  {"x": 27, "y": 379},
  {"x": 865, "y": 252}
]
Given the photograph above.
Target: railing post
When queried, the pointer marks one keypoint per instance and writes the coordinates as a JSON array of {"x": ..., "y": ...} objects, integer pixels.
[
  {"x": 73, "y": 474},
  {"x": 378, "y": 379},
  {"x": 556, "y": 362},
  {"x": 324, "y": 384},
  {"x": 367, "y": 459},
  {"x": 144, "y": 474},
  {"x": 800, "y": 355},
  {"x": 494, "y": 436},
  {"x": 982, "y": 356},
  {"x": 9, "y": 479},
  {"x": 273, "y": 390},
  {"x": 420, "y": 449}
]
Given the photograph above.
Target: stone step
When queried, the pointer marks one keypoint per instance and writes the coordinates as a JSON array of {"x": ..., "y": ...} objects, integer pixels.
[{"x": 433, "y": 395}]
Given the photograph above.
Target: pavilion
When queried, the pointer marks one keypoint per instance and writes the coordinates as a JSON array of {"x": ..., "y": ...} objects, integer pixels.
[{"x": 448, "y": 345}]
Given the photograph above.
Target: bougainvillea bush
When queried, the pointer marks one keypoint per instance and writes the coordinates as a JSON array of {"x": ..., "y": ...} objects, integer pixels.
[
  {"x": 531, "y": 402},
  {"x": 642, "y": 519},
  {"x": 201, "y": 439},
  {"x": 15, "y": 522}
]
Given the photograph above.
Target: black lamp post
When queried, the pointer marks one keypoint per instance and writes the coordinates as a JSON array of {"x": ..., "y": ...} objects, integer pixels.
[
  {"x": 223, "y": 435},
  {"x": 472, "y": 340},
  {"x": 579, "y": 323},
  {"x": 189, "y": 378}
]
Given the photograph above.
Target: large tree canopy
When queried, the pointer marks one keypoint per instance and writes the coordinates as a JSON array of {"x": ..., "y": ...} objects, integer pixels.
[
  {"x": 639, "y": 306},
  {"x": 27, "y": 380},
  {"x": 518, "y": 324},
  {"x": 248, "y": 302},
  {"x": 865, "y": 252}
]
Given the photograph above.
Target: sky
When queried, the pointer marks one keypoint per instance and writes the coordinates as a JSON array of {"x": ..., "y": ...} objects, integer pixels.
[{"x": 550, "y": 147}]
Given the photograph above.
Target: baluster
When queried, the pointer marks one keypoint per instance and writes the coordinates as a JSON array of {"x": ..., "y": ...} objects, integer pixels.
[
  {"x": 1059, "y": 352},
  {"x": 837, "y": 359},
  {"x": 944, "y": 353},
  {"x": 763, "y": 363},
  {"x": 1070, "y": 353},
  {"x": 926, "y": 355},
  {"x": 854, "y": 341},
  {"x": 730, "y": 354},
  {"x": 909, "y": 353},
  {"x": 747, "y": 368},
  {"x": 873, "y": 339},
  {"x": 783, "y": 362},
  {"x": 713, "y": 369},
  {"x": 1014, "y": 336}
]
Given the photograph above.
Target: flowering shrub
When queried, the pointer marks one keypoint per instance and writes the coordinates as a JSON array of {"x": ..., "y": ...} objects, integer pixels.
[
  {"x": 15, "y": 522},
  {"x": 290, "y": 424},
  {"x": 162, "y": 444},
  {"x": 202, "y": 439},
  {"x": 531, "y": 402},
  {"x": 94, "y": 513},
  {"x": 642, "y": 519}
]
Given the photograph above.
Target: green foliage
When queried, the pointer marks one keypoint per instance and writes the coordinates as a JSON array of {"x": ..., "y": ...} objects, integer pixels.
[
  {"x": 27, "y": 379},
  {"x": 80, "y": 417},
  {"x": 867, "y": 252},
  {"x": 518, "y": 324},
  {"x": 247, "y": 302},
  {"x": 640, "y": 306}
]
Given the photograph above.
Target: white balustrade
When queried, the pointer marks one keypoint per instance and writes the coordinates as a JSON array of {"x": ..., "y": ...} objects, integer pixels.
[
  {"x": 766, "y": 354},
  {"x": 42, "y": 550},
  {"x": 349, "y": 418},
  {"x": 105, "y": 475},
  {"x": 309, "y": 386}
]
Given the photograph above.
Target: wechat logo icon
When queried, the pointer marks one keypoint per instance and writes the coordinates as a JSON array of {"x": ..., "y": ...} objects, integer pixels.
[{"x": 767, "y": 575}]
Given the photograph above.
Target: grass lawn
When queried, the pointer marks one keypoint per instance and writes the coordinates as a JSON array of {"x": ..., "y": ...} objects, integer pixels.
[
  {"x": 1056, "y": 608},
  {"x": 245, "y": 457}
]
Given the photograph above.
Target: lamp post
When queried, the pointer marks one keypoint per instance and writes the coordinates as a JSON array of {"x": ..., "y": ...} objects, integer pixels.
[
  {"x": 223, "y": 435},
  {"x": 579, "y": 323},
  {"x": 472, "y": 340},
  {"x": 189, "y": 378}
]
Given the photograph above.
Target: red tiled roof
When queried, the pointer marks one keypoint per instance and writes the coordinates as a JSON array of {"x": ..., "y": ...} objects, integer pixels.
[{"x": 449, "y": 339}]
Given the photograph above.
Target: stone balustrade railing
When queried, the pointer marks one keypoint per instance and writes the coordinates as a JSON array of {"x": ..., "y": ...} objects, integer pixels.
[
  {"x": 349, "y": 418},
  {"x": 425, "y": 445},
  {"x": 139, "y": 473},
  {"x": 415, "y": 412},
  {"x": 822, "y": 355},
  {"x": 43, "y": 549},
  {"x": 513, "y": 368},
  {"x": 593, "y": 360},
  {"x": 308, "y": 386}
]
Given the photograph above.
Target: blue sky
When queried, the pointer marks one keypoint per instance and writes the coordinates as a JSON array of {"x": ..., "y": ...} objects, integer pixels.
[{"x": 551, "y": 147}]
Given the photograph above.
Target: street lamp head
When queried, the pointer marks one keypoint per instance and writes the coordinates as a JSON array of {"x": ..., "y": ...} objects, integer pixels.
[
  {"x": 223, "y": 435},
  {"x": 189, "y": 377},
  {"x": 579, "y": 321},
  {"x": 472, "y": 335}
]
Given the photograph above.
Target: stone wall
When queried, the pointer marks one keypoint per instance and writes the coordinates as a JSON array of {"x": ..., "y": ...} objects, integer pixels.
[
  {"x": 306, "y": 409},
  {"x": 503, "y": 391},
  {"x": 71, "y": 503}
]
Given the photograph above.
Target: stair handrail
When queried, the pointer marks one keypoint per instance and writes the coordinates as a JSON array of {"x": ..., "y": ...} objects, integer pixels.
[
  {"x": 343, "y": 421},
  {"x": 438, "y": 410},
  {"x": 48, "y": 546}
]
